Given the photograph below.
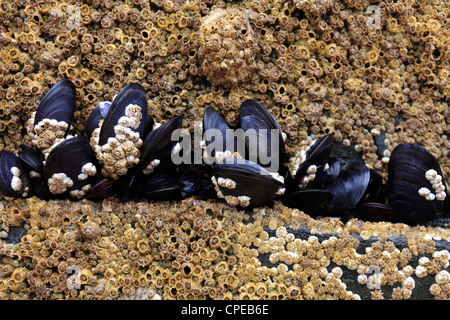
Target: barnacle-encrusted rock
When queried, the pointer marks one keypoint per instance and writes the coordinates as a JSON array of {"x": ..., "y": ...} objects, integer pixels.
[
  {"x": 227, "y": 47},
  {"x": 374, "y": 73}
]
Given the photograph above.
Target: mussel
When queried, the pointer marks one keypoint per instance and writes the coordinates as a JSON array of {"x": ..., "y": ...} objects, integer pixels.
[
  {"x": 54, "y": 115},
  {"x": 158, "y": 145},
  {"x": 70, "y": 168},
  {"x": 263, "y": 136},
  {"x": 245, "y": 183},
  {"x": 309, "y": 165},
  {"x": 122, "y": 130},
  {"x": 156, "y": 155},
  {"x": 14, "y": 178},
  {"x": 220, "y": 141},
  {"x": 415, "y": 187},
  {"x": 354, "y": 185}
]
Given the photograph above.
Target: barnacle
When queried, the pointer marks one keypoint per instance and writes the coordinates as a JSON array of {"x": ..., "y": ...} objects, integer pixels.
[{"x": 227, "y": 47}]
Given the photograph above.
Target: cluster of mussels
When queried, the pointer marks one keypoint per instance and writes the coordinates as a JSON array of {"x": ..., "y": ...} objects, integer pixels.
[{"x": 125, "y": 153}]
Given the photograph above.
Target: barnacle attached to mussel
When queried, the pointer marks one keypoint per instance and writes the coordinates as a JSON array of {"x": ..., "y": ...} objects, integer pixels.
[
  {"x": 14, "y": 178},
  {"x": 249, "y": 159},
  {"x": 53, "y": 116},
  {"x": 70, "y": 168},
  {"x": 245, "y": 183},
  {"x": 416, "y": 190},
  {"x": 122, "y": 131}
]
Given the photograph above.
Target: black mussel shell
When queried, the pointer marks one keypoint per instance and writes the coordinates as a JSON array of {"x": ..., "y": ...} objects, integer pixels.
[
  {"x": 131, "y": 94},
  {"x": 348, "y": 189},
  {"x": 309, "y": 201},
  {"x": 373, "y": 212},
  {"x": 375, "y": 191},
  {"x": 407, "y": 169},
  {"x": 58, "y": 103},
  {"x": 329, "y": 175},
  {"x": 102, "y": 188},
  {"x": 245, "y": 183},
  {"x": 97, "y": 114},
  {"x": 318, "y": 154},
  {"x": 215, "y": 127},
  {"x": 253, "y": 116},
  {"x": 159, "y": 186},
  {"x": 14, "y": 179},
  {"x": 196, "y": 181},
  {"x": 158, "y": 145},
  {"x": 70, "y": 167},
  {"x": 33, "y": 160}
]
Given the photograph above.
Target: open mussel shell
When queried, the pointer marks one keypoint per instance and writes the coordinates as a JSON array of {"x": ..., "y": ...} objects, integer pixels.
[
  {"x": 70, "y": 167},
  {"x": 132, "y": 94},
  {"x": 158, "y": 145},
  {"x": 58, "y": 103},
  {"x": 245, "y": 183},
  {"x": 409, "y": 167},
  {"x": 268, "y": 144},
  {"x": 14, "y": 179}
]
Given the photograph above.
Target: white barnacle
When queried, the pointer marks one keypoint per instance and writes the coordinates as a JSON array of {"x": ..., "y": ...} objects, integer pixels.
[
  {"x": 244, "y": 201},
  {"x": 337, "y": 272},
  {"x": 34, "y": 174},
  {"x": 424, "y": 261},
  {"x": 82, "y": 176},
  {"x": 442, "y": 277},
  {"x": 423, "y": 192},
  {"x": 440, "y": 196},
  {"x": 431, "y": 174},
  {"x": 151, "y": 166},
  {"x": 421, "y": 271},
  {"x": 16, "y": 183},
  {"x": 311, "y": 169},
  {"x": 59, "y": 182},
  {"x": 430, "y": 197},
  {"x": 226, "y": 183},
  {"x": 409, "y": 283},
  {"x": 221, "y": 156},
  {"x": 89, "y": 169},
  {"x": 15, "y": 171},
  {"x": 232, "y": 201},
  {"x": 277, "y": 176},
  {"x": 362, "y": 279},
  {"x": 124, "y": 121},
  {"x": 281, "y": 191}
]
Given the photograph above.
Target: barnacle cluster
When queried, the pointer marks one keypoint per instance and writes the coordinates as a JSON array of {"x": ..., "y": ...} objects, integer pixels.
[
  {"x": 374, "y": 73},
  {"x": 209, "y": 250}
]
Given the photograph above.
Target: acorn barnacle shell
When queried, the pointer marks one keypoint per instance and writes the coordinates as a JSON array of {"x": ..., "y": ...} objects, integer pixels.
[{"x": 227, "y": 47}]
